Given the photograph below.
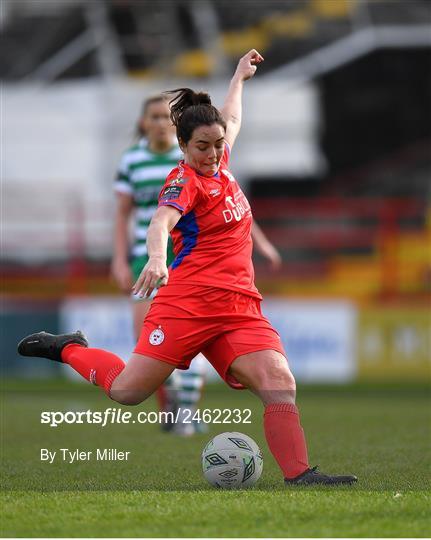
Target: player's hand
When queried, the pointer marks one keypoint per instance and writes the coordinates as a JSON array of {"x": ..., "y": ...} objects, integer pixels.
[
  {"x": 271, "y": 254},
  {"x": 247, "y": 65},
  {"x": 122, "y": 275},
  {"x": 154, "y": 275}
]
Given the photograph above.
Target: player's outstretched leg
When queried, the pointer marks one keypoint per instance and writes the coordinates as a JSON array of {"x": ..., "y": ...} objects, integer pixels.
[
  {"x": 96, "y": 365},
  {"x": 267, "y": 374},
  {"x": 128, "y": 384}
]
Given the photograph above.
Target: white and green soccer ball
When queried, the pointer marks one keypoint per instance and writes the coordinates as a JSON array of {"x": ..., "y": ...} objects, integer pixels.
[{"x": 232, "y": 460}]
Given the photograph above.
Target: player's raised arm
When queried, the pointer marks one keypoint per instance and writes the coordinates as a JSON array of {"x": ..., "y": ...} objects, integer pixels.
[
  {"x": 232, "y": 108},
  {"x": 155, "y": 272}
]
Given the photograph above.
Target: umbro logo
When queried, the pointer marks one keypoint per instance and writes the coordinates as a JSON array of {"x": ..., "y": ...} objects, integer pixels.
[{"x": 215, "y": 192}]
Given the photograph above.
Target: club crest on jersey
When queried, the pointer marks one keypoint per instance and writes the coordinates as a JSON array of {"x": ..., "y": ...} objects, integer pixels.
[
  {"x": 228, "y": 174},
  {"x": 157, "y": 336}
]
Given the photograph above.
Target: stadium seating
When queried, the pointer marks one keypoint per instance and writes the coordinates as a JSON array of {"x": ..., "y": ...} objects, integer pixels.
[{"x": 146, "y": 32}]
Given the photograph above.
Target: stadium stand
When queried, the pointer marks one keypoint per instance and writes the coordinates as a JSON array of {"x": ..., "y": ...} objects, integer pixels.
[
  {"x": 206, "y": 35},
  {"x": 360, "y": 229}
]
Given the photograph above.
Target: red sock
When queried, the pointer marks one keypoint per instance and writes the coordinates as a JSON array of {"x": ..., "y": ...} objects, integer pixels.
[
  {"x": 285, "y": 438},
  {"x": 96, "y": 365}
]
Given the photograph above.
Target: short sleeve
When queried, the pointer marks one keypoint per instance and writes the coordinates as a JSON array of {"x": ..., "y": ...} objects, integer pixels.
[
  {"x": 122, "y": 182},
  {"x": 181, "y": 193}
]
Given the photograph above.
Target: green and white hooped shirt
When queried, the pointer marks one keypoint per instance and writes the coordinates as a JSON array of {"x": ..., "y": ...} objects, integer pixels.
[{"x": 142, "y": 174}]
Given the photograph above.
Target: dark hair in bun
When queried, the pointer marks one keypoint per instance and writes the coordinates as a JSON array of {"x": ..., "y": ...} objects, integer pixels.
[{"x": 190, "y": 110}]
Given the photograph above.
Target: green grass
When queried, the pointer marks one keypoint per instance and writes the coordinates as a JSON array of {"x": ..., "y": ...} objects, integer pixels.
[
  {"x": 382, "y": 434},
  {"x": 213, "y": 514}
]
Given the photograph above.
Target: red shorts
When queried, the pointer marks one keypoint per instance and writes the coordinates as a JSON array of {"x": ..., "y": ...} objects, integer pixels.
[{"x": 186, "y": 320}]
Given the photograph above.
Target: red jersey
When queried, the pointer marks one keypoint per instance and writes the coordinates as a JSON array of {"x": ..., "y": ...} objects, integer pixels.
[{"x": 212, "y": 240}]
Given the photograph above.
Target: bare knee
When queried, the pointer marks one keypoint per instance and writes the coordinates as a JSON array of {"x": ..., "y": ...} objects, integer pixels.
[
  {"x": 267, "y": 374},
  {"x": 277, "y": 386},
  {"x": 264, "y": 372},
  {"x": 277, "y": 376}
]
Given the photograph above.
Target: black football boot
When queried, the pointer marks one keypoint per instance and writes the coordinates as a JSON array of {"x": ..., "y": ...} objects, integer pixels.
[
  {"x": 314, "y": 477},
  {"x": 49, "y": 345}
]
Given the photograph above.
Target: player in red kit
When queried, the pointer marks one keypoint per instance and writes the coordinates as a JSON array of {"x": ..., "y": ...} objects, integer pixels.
[
  {"x": 212, "y": 273},
  {"x": 207, "y": 301}
]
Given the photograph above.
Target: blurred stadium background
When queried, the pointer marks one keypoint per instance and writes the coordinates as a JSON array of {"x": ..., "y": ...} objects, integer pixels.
[{"x": 334, "y": 154}]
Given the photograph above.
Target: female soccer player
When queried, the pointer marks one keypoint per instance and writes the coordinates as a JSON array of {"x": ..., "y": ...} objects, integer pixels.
[
  {"x": 207, "y": 301},
  {"x": 142, "y": 172}
]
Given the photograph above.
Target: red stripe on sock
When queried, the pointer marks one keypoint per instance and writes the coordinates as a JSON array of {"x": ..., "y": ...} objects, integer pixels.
[{"x": 285, "y": 438}]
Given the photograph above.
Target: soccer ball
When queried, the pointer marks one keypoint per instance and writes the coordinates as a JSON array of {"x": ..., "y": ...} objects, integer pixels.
[{"x": 232, "y": 460}]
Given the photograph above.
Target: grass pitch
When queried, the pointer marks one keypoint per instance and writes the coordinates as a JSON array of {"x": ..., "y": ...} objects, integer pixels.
[{"x": 381, "y": 434}]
